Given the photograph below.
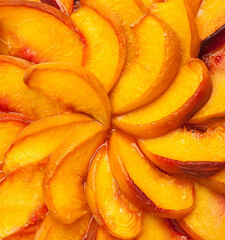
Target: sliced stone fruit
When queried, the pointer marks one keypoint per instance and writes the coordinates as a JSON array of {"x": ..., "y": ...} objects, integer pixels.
[
  {"x": 65, "y": 174},
  {"x": 174, "y": 108},
  {"x": 152, "y": 69},
  {"x": 111, "y": 209}
]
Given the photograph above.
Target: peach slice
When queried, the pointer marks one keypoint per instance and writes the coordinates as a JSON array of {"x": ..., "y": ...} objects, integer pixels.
[
  {"x": 207, "y": 219},
  {"x": 22, "y": 201},
  {"x": 111, "y": 209},
  {"x": 146, "y": 4},
  {"x": 66, "y": 6},
  {"x": 157, "y": 192},
  {"x": 174, "y": 108},
  {"x": 33, "y": 40},
  {"x": 178, "y": 14},
  {"x": 127, "y": 11},
  {"x": 105, "y": 48},
  {"x": 16, "y": 96},
  {"x": 210, "y": 17},
  {"x": 188, "y": 151},
  {"x": 35, "y": 143},
  {"x": 214, "y": 108},
  {"x": 157, "y": 47},
  {"x": 155, "y": 228},
  {"x": 63, "y": 183},
  {"x": 10, "y": 126},
  {"x": 52, "y": 230},
  {"x": 72, "y": 86}
]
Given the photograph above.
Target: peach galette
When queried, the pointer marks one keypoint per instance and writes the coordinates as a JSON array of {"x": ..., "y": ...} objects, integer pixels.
[{"x": 112, "y": 120}]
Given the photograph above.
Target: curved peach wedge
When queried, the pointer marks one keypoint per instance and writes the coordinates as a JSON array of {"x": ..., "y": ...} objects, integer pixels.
[
  {"x": 32, "y": 40},
  {"x": 105, "y": 40},
  {"x": 16, "y": 96},
  {"x": 178, "y": 14},
  {"x": 10, "y": 126},
  {"x": 24, "y": 193},
  {"x": 35, "y": 143},
  {"x": 66, "y": 6},
  {"x": 210, "y": 17},
  {"x": 175, "y": 107},
  {"x": 195, "y": 5},
  {"x": 127, "y": 11},
  {"x": 156, "y": 47},
  {"x": 73, "y": 87},
  {"x": 155, "y": 228},
  {"x": 199, "y": 159},
  {"x": 65, "y": 174},
  {"x": 156, "y": 192},
  {"x": 52, "y": 230},
  {"x": 207, "y": 219},
  {"x": 214, "y": 108},
  {"x": 111, "y": 209}
]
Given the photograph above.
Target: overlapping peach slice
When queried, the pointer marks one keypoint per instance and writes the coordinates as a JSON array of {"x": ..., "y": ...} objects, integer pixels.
[
  {"x": 152, "y": 69},
  {"x": 52, "y": 230},
  {"x": 35, "y": 143},
  {"x": 66, "y": 171},
  {"x": 15, "y": 96},
  {"x": 73, "y": 87},
  {"x": 22, "y": 201},
  {"x": 207, "y": 219},
  {"x": 105, "y": 43},
  {"x": 178, "y": 14},
  {"x": 210, "y": 17},
  {"x": 127, "y": 11},
  {"x": 199, "y": 159},
  {"x": 22, "y": 236},
  {"x": 155, "y": 228},
  {"x": 111, "y": 209},
  {"x": 10, "y": 126},
  {"x": 66, "y": 6},
  {"x": 156, "y": 192},
  {"x": 214, "y": 108},
  {"x": 175, "y": 107},
  {"x": 50, "y": 36}
]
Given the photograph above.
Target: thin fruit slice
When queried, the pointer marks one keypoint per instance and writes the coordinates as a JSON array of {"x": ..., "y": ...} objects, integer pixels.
[
  {"x": 35, "y": 143},
  {"x": 10, "y": 126},
  {"x": 214, "y": 108},
  {"x": 66, "y": 6},
  {"x": 178, "y": 14},
  {"x": 210, "y": 17},
  {"x": 110, "y": 207},
  {"x": 215, "y": 182},
  {"x": 155, "y": 228},
  {"x": 152, "y": 69},
  {"x": 188, "y": 151},
  {"x": 63, "y": 184},
  {"x": 52, "y": 230},
  {"x": 105, "y": 40},
  {"x": 127, "y": 11},
  {"x": 157, "y": 192},
  {"x": 174, "y": 108},
  {"x": 207, "y": 219},
  {"x": 72, "y": 86},
  {"x": 22, "y": 201},
  {"x": 33, "y": 40},
  {"x": 15, "y": 96}
]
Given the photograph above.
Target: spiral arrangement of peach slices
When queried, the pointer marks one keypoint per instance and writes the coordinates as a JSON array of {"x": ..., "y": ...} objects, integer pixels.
[{"x": 112, "y": 120}]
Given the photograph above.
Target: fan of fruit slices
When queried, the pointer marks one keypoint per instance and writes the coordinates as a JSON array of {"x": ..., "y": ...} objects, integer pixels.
[{"x": 112, "y": 119}]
